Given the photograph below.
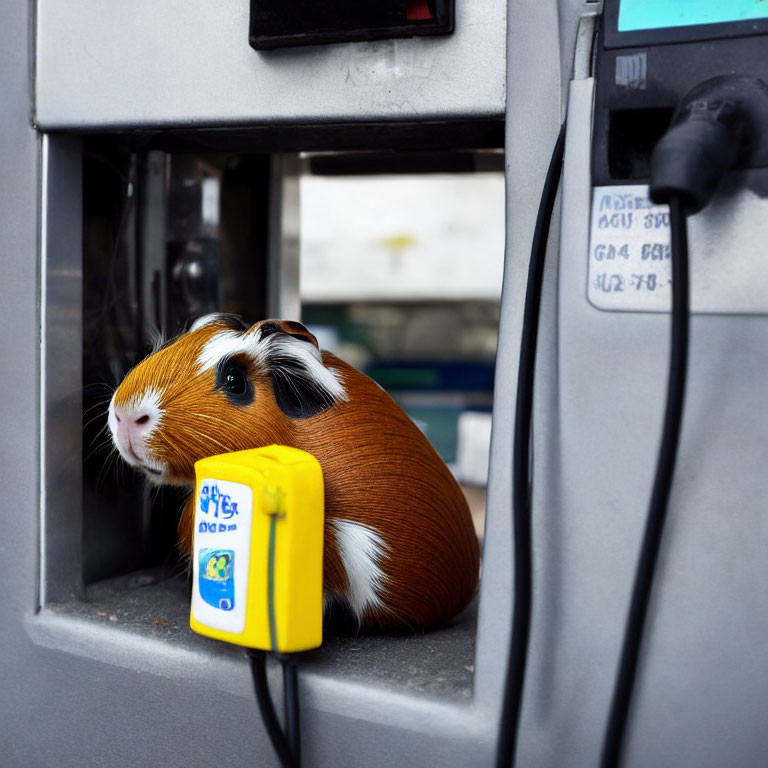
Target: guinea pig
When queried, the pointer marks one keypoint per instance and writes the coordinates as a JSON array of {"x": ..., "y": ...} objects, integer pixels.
[{"x": 400, "y": 549}]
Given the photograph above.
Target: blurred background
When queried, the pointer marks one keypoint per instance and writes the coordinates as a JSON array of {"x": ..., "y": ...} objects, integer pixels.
[
  {"x": 393, "y": 260},
  {"x": 400, "y": 275}
]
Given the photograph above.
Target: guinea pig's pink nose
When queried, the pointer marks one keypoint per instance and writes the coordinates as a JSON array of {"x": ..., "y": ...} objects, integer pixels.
[{"x": 135, "y": 419}]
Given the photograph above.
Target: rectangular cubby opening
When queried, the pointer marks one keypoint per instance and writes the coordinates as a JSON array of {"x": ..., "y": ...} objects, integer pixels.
[{"x": 173, "y": 229}]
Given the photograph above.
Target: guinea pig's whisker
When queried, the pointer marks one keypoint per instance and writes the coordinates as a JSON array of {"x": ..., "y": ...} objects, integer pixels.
[
  {"x": 100, "y": 413},
  {"x": 213, "y": 440},
  {"x": 96, "y": 385},
  {"x": 292, "y": 384},
  {"x": 218, "y": 419},
  {"x": 155, "y": 338},
  {"x": 105, "y": 469},
  {"x": 102, "y": 448},
  {"x": 85, "y": 388},
  {"x": 100, "y": 403},
  {"x": 177, "y": 569},
  {"x": 96, "y": 418},
  {"x": 101, "y": 433},
  {"x": 105, "y": 442}
]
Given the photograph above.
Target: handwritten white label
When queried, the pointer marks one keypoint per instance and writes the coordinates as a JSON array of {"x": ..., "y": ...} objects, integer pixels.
[{"x": 629, "y": 252}]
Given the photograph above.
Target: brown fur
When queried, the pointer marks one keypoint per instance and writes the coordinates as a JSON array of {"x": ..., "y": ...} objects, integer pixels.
[{"x": 378, "y": 469}]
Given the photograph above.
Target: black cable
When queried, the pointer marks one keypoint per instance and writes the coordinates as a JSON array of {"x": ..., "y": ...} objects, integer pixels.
[
  {"x": 521, "y": 497},
  {"x": 720, "y": 122},
  {"x": 291, "y": 694},
  {"x": 258, "y": 663},
  {"x": 657, "y": 511}
]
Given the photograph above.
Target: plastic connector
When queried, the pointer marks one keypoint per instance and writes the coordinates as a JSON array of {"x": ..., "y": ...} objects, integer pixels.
[
  {"x": 718, "y": 124},
  {"x": 258, "y": 550}
]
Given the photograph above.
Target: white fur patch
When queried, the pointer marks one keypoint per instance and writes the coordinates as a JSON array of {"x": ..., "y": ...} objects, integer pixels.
[
  {"x": 201, "y": 322},
  {"x": 311, "y": 359},
  {"x": 229, "y": 343},
  {"x": 137, "y": 453},
  {"x": 149, "y": 403},
  {"x": 264, "y": 351},
  {"x": 361, "y": 550}
]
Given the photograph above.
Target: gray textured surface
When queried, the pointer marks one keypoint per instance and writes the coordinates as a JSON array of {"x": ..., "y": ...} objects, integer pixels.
[
  {"x": 106, "y": 63},
  {"x": 155, "y": 605},
  {"x": 703, "y": 677}
]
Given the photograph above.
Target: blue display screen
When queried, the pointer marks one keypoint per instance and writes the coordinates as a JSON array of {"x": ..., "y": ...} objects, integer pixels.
[{"x": 658, "y": 14}]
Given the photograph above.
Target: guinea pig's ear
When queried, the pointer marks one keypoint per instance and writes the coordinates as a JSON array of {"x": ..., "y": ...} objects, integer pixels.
[
  {"x": 287, "y": 327},
  {"x": 303, "y": 386}
]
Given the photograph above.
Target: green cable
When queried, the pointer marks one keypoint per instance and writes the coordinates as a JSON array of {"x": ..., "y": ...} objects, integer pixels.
[{"x": 271, "y": 582}]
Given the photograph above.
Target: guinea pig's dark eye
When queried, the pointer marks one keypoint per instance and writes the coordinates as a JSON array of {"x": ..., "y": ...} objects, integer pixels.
[{"x": 233, "y": 380}]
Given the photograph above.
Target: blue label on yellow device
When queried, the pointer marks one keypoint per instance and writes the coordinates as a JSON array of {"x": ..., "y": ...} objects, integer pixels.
[
  {"x": 217, "y": 579},
  {"x": 223, "y": 517},
  {"x": 257, "y": 563}
]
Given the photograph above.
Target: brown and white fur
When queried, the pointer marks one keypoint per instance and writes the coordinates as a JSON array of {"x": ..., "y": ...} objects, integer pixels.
[{"x": 400, "y": 548}]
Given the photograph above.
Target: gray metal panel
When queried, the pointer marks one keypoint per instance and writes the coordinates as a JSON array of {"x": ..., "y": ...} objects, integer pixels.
[
  {"x": 527, "y": 155},
  {"x": 580, "y": 569},
  {"x": 20, "y": 339},
  {"x": 19, "y": 373},
  {"x": 107, "y": 63},
  {"x": 703, "y": 679},
  {"x": 540, "y": 46},
  {"x": 61, "y": 404}
]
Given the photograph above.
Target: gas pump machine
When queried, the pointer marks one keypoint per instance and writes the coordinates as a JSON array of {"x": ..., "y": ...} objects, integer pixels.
[
  {"x": 640, "y": 642},
  {"x": 622, "y": 611}
]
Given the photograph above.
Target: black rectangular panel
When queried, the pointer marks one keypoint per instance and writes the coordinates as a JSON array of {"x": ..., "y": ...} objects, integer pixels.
[
  {"x": 643, "y": 73},
  {"x": 281, "y": 23}
]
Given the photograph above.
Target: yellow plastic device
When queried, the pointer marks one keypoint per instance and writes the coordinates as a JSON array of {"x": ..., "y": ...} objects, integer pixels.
[{"x": 258, "y": 549}]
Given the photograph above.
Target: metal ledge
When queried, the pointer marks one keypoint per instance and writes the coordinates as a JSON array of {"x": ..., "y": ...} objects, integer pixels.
[
  {"x": 141, "y": 622},
  {"x": 368, "y": 700}
]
